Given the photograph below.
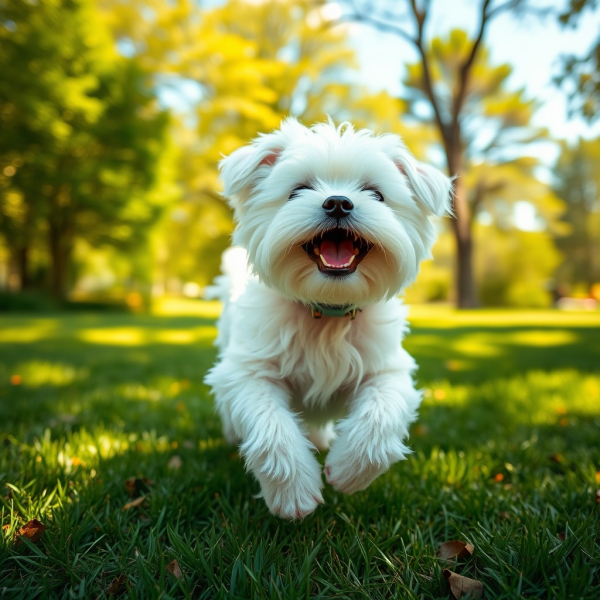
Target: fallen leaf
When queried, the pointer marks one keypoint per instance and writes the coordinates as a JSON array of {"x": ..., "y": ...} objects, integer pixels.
[
  {"x": 75, "y": 461},
  {"x": 461, "y": 586},
  {"x": 455, "y": 549},
  {"x": 175, "y": 462},
  {"x": 5, "y": 527},
  {"x": 564, "y": 422},
  {"x": 31, "y": 531},
  {"x": 173, "y": 567},
  {"x": 16, "y": 380},
  {"x": 116, "y": 585},
  {"x": 562, "y": 536},
  {"x": 598, "y": 496},
  {"x": 504, "y": 515},
  {"x": 135, "y": 485},
  {"x": 597, "y": 476},
  {"x": 499, "y": 477},
  {"x": 137, "y": 502}
]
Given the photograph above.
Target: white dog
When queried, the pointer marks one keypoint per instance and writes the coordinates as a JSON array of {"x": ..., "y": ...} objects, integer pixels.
[{"x": 332, "y": 224}]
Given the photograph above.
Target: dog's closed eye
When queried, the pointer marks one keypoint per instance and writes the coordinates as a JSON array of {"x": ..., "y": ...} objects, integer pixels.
[
  {"x": 295, "y": 191},
  {"x": 375, "y": 192}
]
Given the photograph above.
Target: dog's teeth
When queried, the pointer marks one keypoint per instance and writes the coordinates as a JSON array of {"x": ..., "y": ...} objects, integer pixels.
[
  {"x": 350, "y": 261},
  {"x": 356, "y": 252},
  {"x": 356, "y": 237},
  {"x": 316, "y": 251},
  {"x": 324, "y": 261}
]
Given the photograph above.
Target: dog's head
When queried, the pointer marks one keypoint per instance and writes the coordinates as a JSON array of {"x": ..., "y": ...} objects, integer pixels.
[{"x": 332, "y": 215}]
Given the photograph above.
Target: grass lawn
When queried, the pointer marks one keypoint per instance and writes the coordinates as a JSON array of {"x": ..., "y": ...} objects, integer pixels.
[{"x": 506, "y": 457}]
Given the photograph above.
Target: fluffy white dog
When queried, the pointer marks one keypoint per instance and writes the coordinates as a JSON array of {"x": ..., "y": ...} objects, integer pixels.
[{"x": 332, "y": 224}]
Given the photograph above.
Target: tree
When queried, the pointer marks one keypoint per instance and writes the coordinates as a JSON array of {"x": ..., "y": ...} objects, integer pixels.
[
  {"x": 578, "y": 184},
  {"x": 83, "y": 137},
  {"x": 581, "y": 74},
  {"x": 253, "y": 63},
  {"x": 461, "y": 91}
]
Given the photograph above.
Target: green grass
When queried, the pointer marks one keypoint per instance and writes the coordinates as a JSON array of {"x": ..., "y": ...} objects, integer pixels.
[{"x": 506, "y": 456}]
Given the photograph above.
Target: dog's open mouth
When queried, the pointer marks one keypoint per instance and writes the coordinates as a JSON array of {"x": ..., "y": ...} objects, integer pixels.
[{"x": 337, "y": 251}]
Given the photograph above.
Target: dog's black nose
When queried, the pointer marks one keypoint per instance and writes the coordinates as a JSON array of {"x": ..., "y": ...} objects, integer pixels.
[{"x": 337, "y": 206}]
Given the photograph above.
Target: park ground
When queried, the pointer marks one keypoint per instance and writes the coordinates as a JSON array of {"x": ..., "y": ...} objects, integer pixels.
[{"x": 506, "y": 457}]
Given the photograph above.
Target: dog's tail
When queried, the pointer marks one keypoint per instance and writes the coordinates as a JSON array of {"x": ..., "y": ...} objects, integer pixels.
[{"x": 228, "y": 286}]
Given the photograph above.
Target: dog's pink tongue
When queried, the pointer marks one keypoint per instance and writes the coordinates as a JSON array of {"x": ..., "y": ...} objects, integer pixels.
[{"x": 337, "y": 255}]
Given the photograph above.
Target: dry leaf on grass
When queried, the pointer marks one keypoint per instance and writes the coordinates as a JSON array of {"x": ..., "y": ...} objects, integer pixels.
[
  {"x": 31, "y": 531},
  {"x": 175, "y": 462},
  {"x": 137, "y": 502},
  {"x": 462, "y": 586},
  {"x": 116, "y": 585},
  {"x": 5, "y": 527},
  {"x": 173, "y": 567},
  {"x": 455, "y": 549},
  {"x": 135, "y": 485},
  {"x": 598, "y": 496}
]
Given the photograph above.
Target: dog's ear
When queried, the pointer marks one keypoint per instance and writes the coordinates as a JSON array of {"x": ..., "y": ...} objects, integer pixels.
[
  {"x": 431, "y": 189},
  {"x": 248, "y": 164}
]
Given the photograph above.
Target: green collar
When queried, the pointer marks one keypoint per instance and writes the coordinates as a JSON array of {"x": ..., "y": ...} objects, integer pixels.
[{"x": 329, "y": 310}]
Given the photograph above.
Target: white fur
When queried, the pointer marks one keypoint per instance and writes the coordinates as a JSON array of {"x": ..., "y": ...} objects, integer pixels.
[{"x": 283, "y": 377}]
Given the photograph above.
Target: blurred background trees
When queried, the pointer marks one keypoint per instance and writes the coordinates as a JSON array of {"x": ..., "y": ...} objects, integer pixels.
[
  {"x": 115, "y": 113},
  {"x": 580, "y": 75},
  {"x": 82, "y": 141}
]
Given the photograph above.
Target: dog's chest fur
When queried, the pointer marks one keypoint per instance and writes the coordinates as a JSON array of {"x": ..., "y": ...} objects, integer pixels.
[{"x": 321, "y": 361}]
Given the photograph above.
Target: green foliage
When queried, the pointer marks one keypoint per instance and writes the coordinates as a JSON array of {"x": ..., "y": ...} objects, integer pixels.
[
  {"x": 496, "y": 132},
  {"x": 84, "y": 137},
  {"x": 508, "y": 395},
  {"x": 253, "y": 64},
  {"x": 578, "y": 184},
  {"x": 580, "y": 75},
  {"x": 508, "y": 279}
]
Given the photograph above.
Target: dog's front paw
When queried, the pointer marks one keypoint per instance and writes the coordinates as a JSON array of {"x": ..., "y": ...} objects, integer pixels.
[
  {"x": 295, "y": 497},
  {"x": 356, "y": 460},
  {"x": 349, "y": 475},
  {"x": 289, "y": 501}
]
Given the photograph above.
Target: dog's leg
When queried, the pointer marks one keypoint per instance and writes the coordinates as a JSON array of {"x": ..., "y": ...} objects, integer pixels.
[
  {"x": 273, "y": 445},
  {"x": 370, "y": 439},
  {"x": 228, "y": 429}
]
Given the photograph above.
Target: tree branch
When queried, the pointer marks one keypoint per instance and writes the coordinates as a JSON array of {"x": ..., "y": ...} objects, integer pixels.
[
  {"x": 465, "y": 69},
  {"x": 357, "y": 17},
  {"x": 420, "y": 18}
]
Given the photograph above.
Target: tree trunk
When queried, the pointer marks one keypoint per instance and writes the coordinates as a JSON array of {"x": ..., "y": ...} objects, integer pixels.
[
  {"x": 59, "y": 253},
  {"x": 22, "y": 260},
  {"x": 466, "y": 290}
]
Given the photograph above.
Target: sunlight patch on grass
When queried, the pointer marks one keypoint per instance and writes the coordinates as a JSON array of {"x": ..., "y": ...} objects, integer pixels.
[
  {"x": 171, "y": 307},
  {"x": 38, "y": 373},
  {"x": 33, "y": 331},
  {"x": 536, "y": 398},
  {"x": 444, "y": 316},
  {"x": 541, "y": 338},
  {"x": 140, "y": 336}
]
